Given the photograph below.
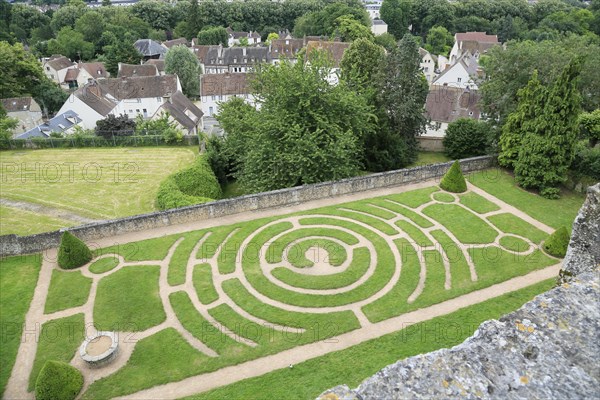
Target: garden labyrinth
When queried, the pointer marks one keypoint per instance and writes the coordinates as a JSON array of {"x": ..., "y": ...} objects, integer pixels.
[{"x": 196, "y": 302}]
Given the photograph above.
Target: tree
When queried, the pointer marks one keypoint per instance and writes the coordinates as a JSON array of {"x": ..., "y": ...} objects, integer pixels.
[
  {"x": 439, "y": 41},
  {"x": 401, "y": 98},
  {"x": 350, "y": 29},
  {"x": 156, "y": 13},
  {"x": 547, "y": 149},
  {"x": 58, "y": 380},
  {"x": 120, "y": 51},
  {"x": 7, "y": 125},
  {"x": 397, "y": 15},
  {"x": 360, "y": 65},
  {"x": 270, "y": 37},
  {"x": 20, "y": 71},
  {"x": 589, "y": 126},
  {"x": 106, "y": 3},
  {"x": 306, "y": 130},
  {"x": 213, "y": 36},
  {"x": 115, "y": 126},
  {"x": 66, "y": 15},
  {"x": 465, "y": 137},
  {"x": 387, "y": 41},
  {"x": 322, "y": 23},
  {"x": 193, "y": 21},
  {"x": 71, "y": 44},
  {"x": 453, "y": 180},
  {"x": 91, "y": 25},
  {"x": 183, "y": 63}
]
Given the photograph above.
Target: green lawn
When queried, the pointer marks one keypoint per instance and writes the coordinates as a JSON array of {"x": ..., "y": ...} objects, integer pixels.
[
  {"x": 97, "y": 183},
  {"x": 430, "y": 157},
  {"x": 67, "y": 290},
  {"x": 23, "y": 222},
  {"x": 18, "y": 278}
]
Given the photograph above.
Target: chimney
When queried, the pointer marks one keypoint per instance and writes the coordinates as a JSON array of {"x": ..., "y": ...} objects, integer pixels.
[
  {"x": 167, "y": 97},
  {"x": 244, "y": 51},
  {"x": 220, "y": 50}
]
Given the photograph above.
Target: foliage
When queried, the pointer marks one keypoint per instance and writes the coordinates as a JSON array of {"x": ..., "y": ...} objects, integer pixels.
[
  {"x": 397, "y": 15},
  {"x": 587, "y": 161},
  {"x": 161, "y": 126},
  {"x": 465, "y": 138},
  {"x": 401, "y": 94},
  {"x": 306, "y": 130},
  {"x": 589, "y": 126},
  {"x": 454, "y": 181},
  {"x": 115, "y": 126},
  {"x": 71, "y": 44},
  {"x": 213, "y": 36},
  {"x": 183, "y": 63},
  {"x": 7, "y": 125},
  {"x": 154, "y": 12},
  {"x": 72, "y": 252},
  {"x": 323, "y": 22},
  {"x": 193, "y": 185},
  {"x": 439, "y": 41},
  {"x": 117, "y": 51},
  {"x": 20, "y": 71},
  {"x": 360, "y": 65},
  {"x": 547, "y": 149},
  {"x": 387, "y": 41},
  {"x": 351, "y": 29},
  {"x": 58, "y": 380},
  {"x": 219, "y": 161},
  {"x": 557, "y": 243}
]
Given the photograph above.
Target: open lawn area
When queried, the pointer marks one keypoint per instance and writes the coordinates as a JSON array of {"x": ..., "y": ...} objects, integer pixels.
[
  {"x": 99, "y": 183},
  {"x": 203, "y": 300}
]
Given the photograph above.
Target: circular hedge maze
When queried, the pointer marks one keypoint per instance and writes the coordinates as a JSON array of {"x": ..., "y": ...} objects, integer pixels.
[{"x": 202, "y": 300}]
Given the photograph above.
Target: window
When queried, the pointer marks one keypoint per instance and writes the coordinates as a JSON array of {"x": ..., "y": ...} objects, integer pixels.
[
  {"x": 145, "y": 113},
  {"x": 425, "y": 69},
  {"x": 137, "y": 110},
  {"x": 459, "y": 79},
  {"x": 213, "y": 98},
  {"x": 47, "y": 68},
  {"x": 210, "y": 111},
  {"x": 130, "y": 111},
  {"x": 159, "y": 99},
  {"x": 470, "y": 112}
]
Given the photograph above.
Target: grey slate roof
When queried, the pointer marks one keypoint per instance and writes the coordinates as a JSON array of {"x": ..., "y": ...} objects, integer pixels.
[
  {"x": 159, "y": 64},
  {"x": 60, "y": 124},
  {"x": 447, "y": 104},
  {"x": 138, "y": 86},
  {"x": 16, "y": 104},
  {"x": 149, "y": 47},
  {"x": 217, "y": 55},
  {"x": 90, "y": 94},
  {"x": 131, "y": 70},
  {"x": 179, "y": 107}
]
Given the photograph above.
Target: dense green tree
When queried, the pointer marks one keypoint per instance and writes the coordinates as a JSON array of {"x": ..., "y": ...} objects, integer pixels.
[
  {"x": 349, "y": 29},
  {"x": 91, "y": 25},
  {"x": 115, "y": 126},
  {"x": 428, "y": 13},
  {"x": 214, "y": 36},
  {"x": 193, "y": 20},
  {"x": 306, "y": 130},
  {"x": 23, "y": 19},
  {"x": 67, "y": 15},
  {"x": 71, "y": 44},
  {"x": 439, "y": 41},
  {"x": 465, "y": 138},
  {"x": 19, "y": 70},
  {"x": 397, "y": 14},
  {"x": 589, "y": 126},
  {"x": 324, "y": 22},
  {"x": 361, "y": 64},
  {"x": 154, "y": 12},
  {"x": 401, "y": 98},
  {"x": 183, "y": 63},
  {"x": 120, "y": 51},
  {"x": 387, "y": 41},
  {"x": 7, "y": 125},
  {"x": 547, "y": 150},
  {"x": 49, "y": 96}
]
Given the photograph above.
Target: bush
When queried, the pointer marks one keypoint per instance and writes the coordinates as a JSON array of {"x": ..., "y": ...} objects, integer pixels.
[
  {"x": 72, "y": 253},
  {"x": 557, "y": 243},
  {"x": 454, "y": 181},
  {"x": 218, "y": 158},
  {"x": 587, "y": 160},
  {"x": 194, "y": 185},
  {"x": 58, "y": 380},
  {"x": 466, "y": 137}
]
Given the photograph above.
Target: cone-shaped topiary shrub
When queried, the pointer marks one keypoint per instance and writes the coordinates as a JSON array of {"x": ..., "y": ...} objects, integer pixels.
[
  {"x": 454, "y": 181},
  {"x": 72, "y": 253},
  {"x": 58, "y": 380},
  {"x": 556, "y": 244}
]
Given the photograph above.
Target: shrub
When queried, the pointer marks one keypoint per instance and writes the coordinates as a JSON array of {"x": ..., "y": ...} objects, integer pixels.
[
  {"x": 556, "y": 244},
  {"x": 72, "y": 253},
  {"x": 454, "y": 181},
  {"x": 58, "y": 380},
  {"x": 194, "y": 185},
  {"x": 587, "y": 160},
  {"x": 219, "y": 159},
  {"x": 466, "y": 137}
]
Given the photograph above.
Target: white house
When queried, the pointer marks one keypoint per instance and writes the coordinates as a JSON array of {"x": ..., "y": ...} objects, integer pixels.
[
  {"x": 286, "y": 48},
  {"x": 428, "y": 65},
  {"x": 56, "y": 68},
  {"x": 379, "y": 27},
  {"x": 216, "y": 88},
  {"x": 26, "y": 110},
  {"x": 373, "y": 7},
  {"x": 182, "y": 112},
  {"x": 219, "y": 60},
  {"x": 235, "y": 37},
  {"x": 80, "y": 74},
  {"x": 462, "y": 74},
  {"x": 446, "y": 104},
  {"x": 474, "y": 42}
]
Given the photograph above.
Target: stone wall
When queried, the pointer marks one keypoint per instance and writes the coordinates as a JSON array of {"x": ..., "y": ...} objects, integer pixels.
[
  {"x": 548, "y": 349},
  {"x": 431, "y": 143},
  {"x": 14, "y": 245}
]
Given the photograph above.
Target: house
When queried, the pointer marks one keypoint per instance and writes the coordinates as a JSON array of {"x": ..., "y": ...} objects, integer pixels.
[
  {"x": 475, "y": 42},
  {"x": 130, "y": 96},
  {"x": 463, "y": 74},
  {"x": 159, "y": 64},
  {"x": 373, "y": 8},
  {"x": 181, "y": 112},
  {"x": 63, "y": 124},
  {"x": 82, "y": 72},
  {"x": 379, "y": 27},
  {"x": 135, "y": 70},
  {"x": 150, "y": 49},
  {"x": 442, "y": 63},
  {"x": 176, "y": 42},
  {"x": 26, "y": 110},
  {"x": 285, "y": 49},
  {"x": 56, "y": 67},
  {"x": 446, "y": 104},
  {"x": 219, "y": 60},
  {"x": 335, "y": 52},
  {"x": 215, "y": 88},
  {"x": 428, "y": 65},
  {"x": 234, "y": 37}
]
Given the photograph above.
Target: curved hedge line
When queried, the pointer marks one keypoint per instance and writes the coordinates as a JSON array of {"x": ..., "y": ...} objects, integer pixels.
[{"x": 194, "y": 185}]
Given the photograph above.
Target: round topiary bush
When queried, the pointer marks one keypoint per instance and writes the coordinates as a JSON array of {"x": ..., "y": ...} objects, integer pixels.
[
  {"x": 557, "y": 243},
  {"x": 58, "y": 380},
  {"x": 464, "y": 138},
  {"x": 194, "y": 185},
  {"x": 72, "y": 253},
  {"x": 454, "y": 181}
]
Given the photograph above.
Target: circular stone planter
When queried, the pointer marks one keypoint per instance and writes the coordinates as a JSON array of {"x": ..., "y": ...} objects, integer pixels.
[{"x": 99, "y": 349}]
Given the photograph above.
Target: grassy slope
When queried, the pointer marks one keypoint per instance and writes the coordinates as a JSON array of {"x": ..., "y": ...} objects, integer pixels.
[
  {"x": 100, "y": 183},
  {"x": 18, "y": 277},
  {"x": 308, "y": 379},
  {"x": 22, "y": 222},
  {"x": 555, "y": 213}
]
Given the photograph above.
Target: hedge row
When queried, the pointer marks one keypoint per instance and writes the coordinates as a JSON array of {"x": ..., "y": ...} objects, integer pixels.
[
  {"x": 194, "y": 185},
  {"x": 94, "y": 141}
]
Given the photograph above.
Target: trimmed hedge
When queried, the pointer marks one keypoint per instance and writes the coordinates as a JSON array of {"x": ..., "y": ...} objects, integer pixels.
[
  {"x": 454, "y": 181},
  {"x": 557, "y": 243},
  {"x": 58, "y": 380},
  {"x": 194, "y": 185},
  {"x": 72, "y": 252},
  {"x": 465, "y": 138}
]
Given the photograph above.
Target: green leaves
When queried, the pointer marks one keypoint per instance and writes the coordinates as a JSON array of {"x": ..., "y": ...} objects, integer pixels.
[{"x": 183, "y": 63}]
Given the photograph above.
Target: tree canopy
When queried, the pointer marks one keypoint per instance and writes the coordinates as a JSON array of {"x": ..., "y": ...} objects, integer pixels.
[{"x": 183, "y": 63}]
